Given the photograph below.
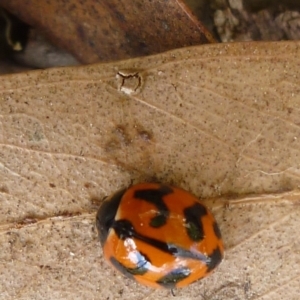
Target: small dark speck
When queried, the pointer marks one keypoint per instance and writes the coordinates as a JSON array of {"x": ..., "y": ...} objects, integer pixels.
[
  {"x": 120, "y": 16},
  {"x": 45, "y": 267},
  {"x": 4, "y": 189},
  {"x": 145, "y": 135},
  {"x": 52, "y": 185},
  {"x": 68, "y": 214},
  {"x": 87, "y": 185},
  {"x": 91, "y": 43}
]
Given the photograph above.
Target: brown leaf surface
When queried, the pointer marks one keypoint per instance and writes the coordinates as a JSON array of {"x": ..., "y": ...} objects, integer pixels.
[
  {"x": 112, "y": 29},
  {"x": 215, "y": 120}
]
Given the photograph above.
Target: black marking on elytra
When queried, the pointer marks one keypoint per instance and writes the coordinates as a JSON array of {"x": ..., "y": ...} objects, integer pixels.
[
  {"x": 171, "y": 279},
  {"x": 214, "y": 259},
  {"x": 141, "y": 268},
  {"x": 141, "y": 265},
  {"x": 185, "y": 253},
  {"x": 155, "y": 196},
  {"x": 106, "y": 215},
  {"x": 124, "y": 229},
  {"x": 217, "y": 231},
  {"x": 193, "y": 215}
]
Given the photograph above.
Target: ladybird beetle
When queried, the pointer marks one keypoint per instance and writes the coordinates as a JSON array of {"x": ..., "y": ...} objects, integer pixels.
[{"x": 159, "y": 235}]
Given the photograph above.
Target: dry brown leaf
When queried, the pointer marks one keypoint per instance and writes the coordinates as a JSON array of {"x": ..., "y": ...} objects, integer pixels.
[
  {"x": 215, "y": 120},
  {"x": 112, "y": 29}
]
